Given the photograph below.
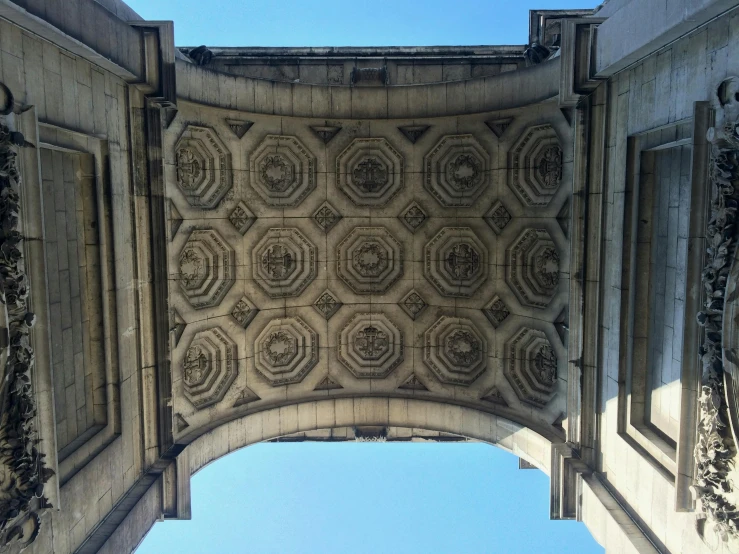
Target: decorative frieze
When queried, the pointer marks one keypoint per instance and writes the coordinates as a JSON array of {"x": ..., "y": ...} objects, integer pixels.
[
  {"x": 203, "y": 167},
  {"x": 455, "y": 350},
  {"x": 209, "y": 367},
  {"x": 284, "y": 262},
  {"x": 456, "y": 262},
  {"x": 369, "y": 260},
  {"x": 370, "y": 172},
  {"x": 207, "y": 268},
  {"x": 285, "y": 351},
  {"x": 283, "y": 171},
  {"x": 370, "y": 345}
]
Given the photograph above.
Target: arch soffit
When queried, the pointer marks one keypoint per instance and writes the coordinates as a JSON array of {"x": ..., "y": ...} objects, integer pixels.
[{"x": 510, "y": 90}]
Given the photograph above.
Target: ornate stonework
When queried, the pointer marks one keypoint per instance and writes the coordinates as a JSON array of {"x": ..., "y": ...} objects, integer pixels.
[
  {"x": 285, "y": 351},
  {"x": 326, "y": 216},
  {"x": 535, "y": 166},
  {"x": 369, "y": 260},
  {"x": 203, "y": 167},
  {"x": 413, "y": 216},
  {"x": 413, "y": 304},
  {"x": 531, "y": 366},
  {"x": 496, "y": 311},
  {"x": 370, "y": 172},
  {"x": 497, "y": 217},
  {"x": 455, "y": 350},
  {"x": 244, "y": 312},
  {"x": 206, "y": 268},
  {"x": 456, "y": 170},
  {"x": 209, "y": 367},
  {"x": 456, "y": 262},
  {"x": 283, "y": 171},
  {"x": 327, "y": 304},
  {"x": 370, "y": 345},
  {"x": 284, "y": 262},
  {"x": 242, "y": 218},
  {"x": 532, "y": 268}
]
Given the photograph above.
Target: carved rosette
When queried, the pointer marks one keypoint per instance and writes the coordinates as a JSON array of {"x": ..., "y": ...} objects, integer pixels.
[
  {"x": 532, "y": 268},
  {"x": 531, "y": 366},
  {"x": 206, "y": 268},
  {"x": 370, "y": 346},
  {"x": 203, "y": 167},
  {"x": 413, "y": 216},
  {"x": 535, "y": 166},
  {"x": 370, "y": 172},
  {"x": 455, "y": 350},
  {"x": 456, "y": 170},
  {"x": 456, "y": 262},
  {"x": 209, "y": 367},
  {"x": 369, "y": 260},
  {"x": 498, "y": 217},
  {"x": 285, "y": 351},
  {"x": 283, "y": 171},
  {"x": 284, "y": 262}
]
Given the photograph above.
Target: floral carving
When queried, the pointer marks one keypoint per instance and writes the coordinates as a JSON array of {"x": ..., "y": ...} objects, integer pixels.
[
  {"x": 241, "y": 218},
  {"x": 209, "y": 367},
  {"x": 546, "y": 266},
  {"x": 532, "y": 267},
  {"x": 279, "y": 348},
  {"x": 191, "y": 267},
  {"x": 203, "y": 167},
  {"x": 189, "y": 168},
  {"x": 456, "y": 262},
  {"x": 284, "y": 262},
  {"x": 371, "y": 342},
  {"x": 464, "y": 172},
  {"x": 549, "y": 164},
  {"x": 463, "y": 261},
  {"x": 278, "y": 261},
  {"x": 455, "y": 350},
  {"x": 327, "y": 304},
  {"x": 531, "y": 366},
  {"x": 456, "y": 170},
  {"x": 413, "y": 216},
  {"x": 276, "y": 173},
  {"x": 244, "y": 312},
  {"x": 206, "y": 268},
  {"x": 370, "y": 259},
  {"x": 498, "y": 217},
  {"x": 535, "y": 166},
  {"x": 286, "y": 350},
  {"x": 413, "y": 304},
  {"x": 326, "y": 216},
  {"x": 370, "y": 174},
  {"x": 370, "y": 345},
  {"x": 283, "y": 171},
  {"x": 496, "y": 311},
  {"x": 462, "y": 347}
]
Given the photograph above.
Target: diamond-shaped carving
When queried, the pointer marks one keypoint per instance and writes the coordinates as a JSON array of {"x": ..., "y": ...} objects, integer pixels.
[
  {"x": 456, "y": 262},
  {"x": 532, "y": 268},
  {"x": 242, "y": 218},
  {"x": 535, "y": 166},
  {"x": 413, "y": 132},
  {"x": 413, "y": 216},
  {"x": 497, "y": 217},
  {"x": 370, "y": 172},
  {"x": 496, "y": 311},
  {"x": 370, "y": 345},
  {"x": 206, "y": 268},
  {"x": 531, "y": 366},
  {"x": 203, "y": 167},
  {"x": 283, "y": 171},
  {"x": 209, "y": 367},
  {"x": 286, "y": 350},
  {"x": 326, "y": 216},
  {"x": 327, "y": 304},
  {"x": 369, "y": 260},
  {"x": 413, "y": 304},
  {"x": 456, "y": 170},
  {"x": 284, "y": 262},
  {"x": 244, "y": 312},
  {"x": 455, "y": 350}
]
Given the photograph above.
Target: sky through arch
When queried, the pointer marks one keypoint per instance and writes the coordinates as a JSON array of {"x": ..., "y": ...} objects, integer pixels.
[{"x": 356, "y": 498}]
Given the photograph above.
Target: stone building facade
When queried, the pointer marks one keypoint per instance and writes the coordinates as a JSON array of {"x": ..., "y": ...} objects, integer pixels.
[{"x": 532, "y": 246}]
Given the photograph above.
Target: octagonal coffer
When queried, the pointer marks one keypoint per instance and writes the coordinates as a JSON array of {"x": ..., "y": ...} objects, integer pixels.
[
  {"x": 455, "y": 350},
  {"x": 209, "y": 367},
  {"x": 283, "y": 171},
  {"x": 204, "y": 171},
  {"x": 284, "y": 262},
  {"x": 370, "y": 345},
  {"x": 456, "y": 262},
  {"x": 370, "y": 172},
  {"x": 285, "y": 351},
  {"x": 532, "y": 268},
  {"x": 369, "y": 260},
  {"x": 207, "y": 268},
  {"x": 535, "y": 166},
  {"x": 531, "y": 366},
  {"x": 456, "y": 170}
]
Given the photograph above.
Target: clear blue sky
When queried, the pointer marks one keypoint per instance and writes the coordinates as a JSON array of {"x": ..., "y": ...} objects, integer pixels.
[{"x": 358, "y": 498}]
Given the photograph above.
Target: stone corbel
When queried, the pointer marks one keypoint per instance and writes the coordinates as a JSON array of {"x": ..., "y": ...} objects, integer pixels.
[{"x": 577, "y": 74}]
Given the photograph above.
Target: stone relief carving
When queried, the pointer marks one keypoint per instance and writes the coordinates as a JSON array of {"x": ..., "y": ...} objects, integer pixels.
[
  {"x": 413, "y": 132},
  {"x": 370, "y": 172},
  {"x": 326, "y": 216},
  {"x": 496, "y": 311},
  {"x": 370, "y": 345},
  {"x": 203, "y": 167},
  {"x": 716, "y": 449},
  {"x": 535, "y": 166},
  {"x": 242, "y": 218},
  {"x": 532, "y": 268},
  {"x": 456, "y": 262},
  {"x": 455, "y": 350},
  {"x": 206, "y": 268},
  {"x": 456, "y": 170},
  {"x": 327, "y": 304},
  {"x": 413, "y": 304},
  {"x": 283, "y": 171},
  {"x": 369, "y": 260},
  {"x": 285, "y": 351},
  {"x": 244, "y": 312},
  {"x": 531, "y": 366},
  {"x": 325, "y": 132},
  {"x": 284, "y": 262},
  {"x": 499, "y": 126},
  {"x": 497, "y": 217},
  {"x": 23, "y": 472},
  {"x": 413, "y": 216},
  {"x": 209, "y": 367}
]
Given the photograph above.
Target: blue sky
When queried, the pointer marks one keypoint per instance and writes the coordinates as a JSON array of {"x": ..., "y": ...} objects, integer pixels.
[{"x": 357, "y": 498}]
